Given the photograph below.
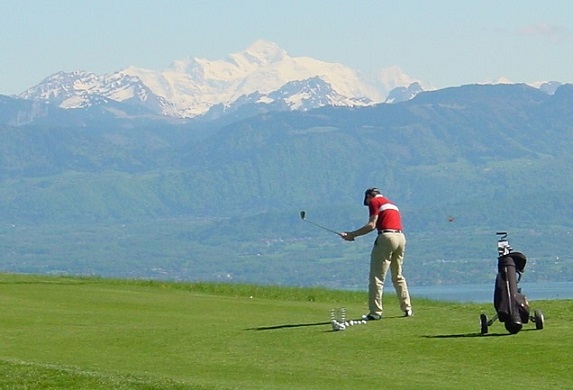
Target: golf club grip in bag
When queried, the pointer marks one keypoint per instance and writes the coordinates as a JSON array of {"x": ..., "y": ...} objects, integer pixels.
[{"x": 510, "y": 305}]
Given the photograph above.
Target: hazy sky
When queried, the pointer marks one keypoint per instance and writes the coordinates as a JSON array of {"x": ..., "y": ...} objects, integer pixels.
[{"x": 441, "y": 42}]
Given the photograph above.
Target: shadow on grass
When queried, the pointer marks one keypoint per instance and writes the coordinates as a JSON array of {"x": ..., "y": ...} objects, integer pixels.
[
  {"x": 475, "y": 334},
  {"x": 290, "y": 326},
  {"x": 309, "y": 324},
  {"x": 464, "y": 335}
]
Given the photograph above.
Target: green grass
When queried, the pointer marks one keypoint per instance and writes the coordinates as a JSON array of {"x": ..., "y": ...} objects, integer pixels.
[{"x": 87, "y": 333}]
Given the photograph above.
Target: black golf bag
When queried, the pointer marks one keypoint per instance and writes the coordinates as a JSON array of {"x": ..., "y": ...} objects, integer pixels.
[{"x": 510, "y": 305}]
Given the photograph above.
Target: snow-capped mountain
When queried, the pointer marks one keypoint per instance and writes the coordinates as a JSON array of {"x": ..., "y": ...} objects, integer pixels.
[
  {"x": 402, "y": 94},
  {"x": 314, "y": 92},
  {"x": 84, "y": 89},
  {"x": 300, "y": 95},
  {"x": 191, "y": 87},
  {"x": 550, "y": 87}
]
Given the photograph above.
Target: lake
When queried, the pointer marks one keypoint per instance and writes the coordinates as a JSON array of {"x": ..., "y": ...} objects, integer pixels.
[{"x": 484, "y": 292}]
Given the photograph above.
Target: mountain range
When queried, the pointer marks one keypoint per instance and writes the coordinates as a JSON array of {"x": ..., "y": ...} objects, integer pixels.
[
  {"x": 263, "y": 77},
  {"x": 263, "y": 73}
]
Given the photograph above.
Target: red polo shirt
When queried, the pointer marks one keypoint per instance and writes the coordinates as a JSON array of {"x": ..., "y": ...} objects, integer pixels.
[{"x": 388, "y": 213}]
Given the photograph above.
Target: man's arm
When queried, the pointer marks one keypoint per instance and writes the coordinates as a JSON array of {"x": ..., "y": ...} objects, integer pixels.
[{"x": 371, "y": 225}]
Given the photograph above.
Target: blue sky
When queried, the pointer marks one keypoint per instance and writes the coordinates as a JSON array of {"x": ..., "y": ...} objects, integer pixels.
[{"x": 442, "y": 42}]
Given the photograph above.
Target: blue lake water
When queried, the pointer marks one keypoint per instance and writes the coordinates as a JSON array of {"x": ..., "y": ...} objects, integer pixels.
[{"x": 484, "y": 292}]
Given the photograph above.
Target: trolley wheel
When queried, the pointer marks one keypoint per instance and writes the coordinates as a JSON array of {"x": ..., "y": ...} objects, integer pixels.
[
  {"x": 539, "y": 319},
  {"x": 513, "y": 327},
  {"x": 483, "y": 323}
]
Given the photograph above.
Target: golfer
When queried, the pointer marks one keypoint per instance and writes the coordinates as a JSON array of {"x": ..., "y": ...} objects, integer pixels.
[{"x": 387, "y": 252}]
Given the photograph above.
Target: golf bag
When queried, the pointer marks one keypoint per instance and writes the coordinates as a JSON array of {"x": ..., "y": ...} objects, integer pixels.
[{"x": 510, "y": 305}]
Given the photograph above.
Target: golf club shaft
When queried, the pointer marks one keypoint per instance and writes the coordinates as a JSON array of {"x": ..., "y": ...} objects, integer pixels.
[{"x": 322, "y": 227}]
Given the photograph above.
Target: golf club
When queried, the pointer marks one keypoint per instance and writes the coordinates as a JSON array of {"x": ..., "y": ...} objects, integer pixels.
[{"x": 303, "y": 217}]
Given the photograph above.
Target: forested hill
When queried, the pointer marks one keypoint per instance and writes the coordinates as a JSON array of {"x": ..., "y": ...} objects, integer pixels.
[
  {"x": 489, "y": 156},
  {"x": 462, "y": 148}
]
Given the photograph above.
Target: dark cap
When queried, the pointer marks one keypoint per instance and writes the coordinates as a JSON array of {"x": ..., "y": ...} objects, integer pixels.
[{"x": 372, "y": 192}]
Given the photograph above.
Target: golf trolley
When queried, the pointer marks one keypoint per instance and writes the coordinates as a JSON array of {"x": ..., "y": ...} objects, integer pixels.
[{"x": 510, "y": 305}]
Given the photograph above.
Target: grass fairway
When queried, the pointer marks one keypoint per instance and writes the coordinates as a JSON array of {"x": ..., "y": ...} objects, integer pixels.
[{"x": 76, "y": 333}]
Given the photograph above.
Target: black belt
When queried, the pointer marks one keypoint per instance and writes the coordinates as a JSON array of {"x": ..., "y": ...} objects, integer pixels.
[{"x": 389, "y": 231}]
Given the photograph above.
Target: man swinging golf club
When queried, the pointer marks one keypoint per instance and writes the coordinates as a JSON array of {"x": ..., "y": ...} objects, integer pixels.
[{"x": 387, "y": 252}]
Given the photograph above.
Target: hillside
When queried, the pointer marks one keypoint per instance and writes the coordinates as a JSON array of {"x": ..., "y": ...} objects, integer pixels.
[{"x": 186, "y": 198}]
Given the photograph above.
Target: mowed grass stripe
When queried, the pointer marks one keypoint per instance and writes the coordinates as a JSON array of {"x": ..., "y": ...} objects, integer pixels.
[
  {"x": 29, "y": 375},
  {"x": 140, "y": 334}
]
